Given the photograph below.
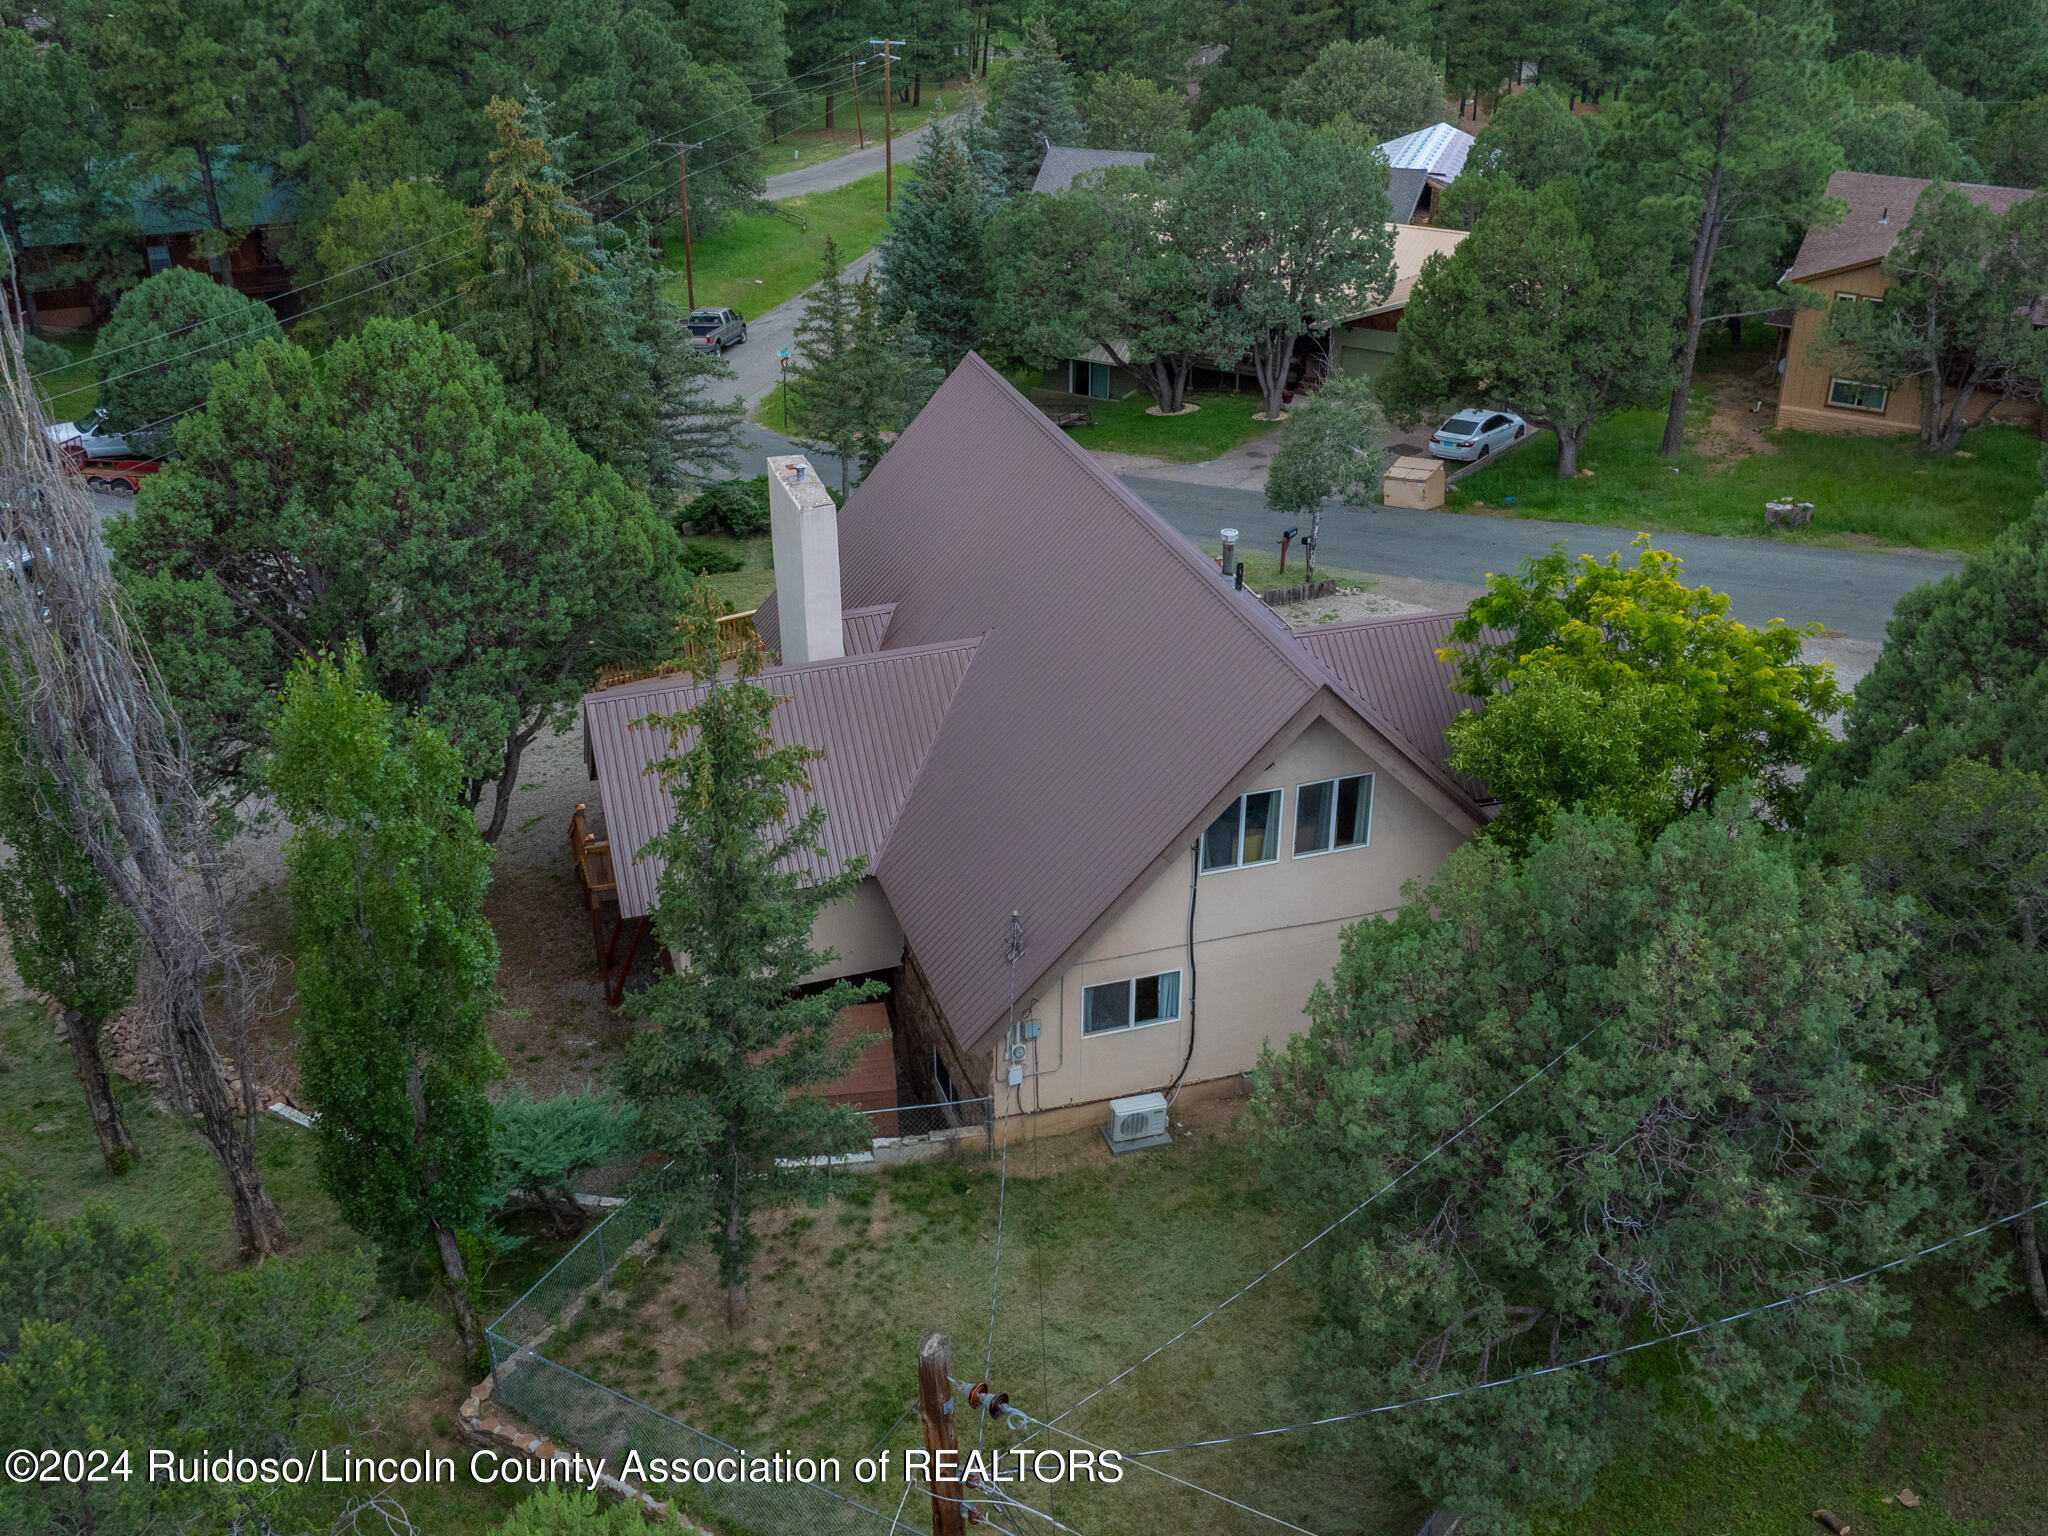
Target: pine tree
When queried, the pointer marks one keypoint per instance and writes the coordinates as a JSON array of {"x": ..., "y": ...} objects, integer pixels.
[
  {"x": 538, "y": 308},
  {"x": 697, "y": 437},
  {"x": 720, "y": 1079},
  {"x": 825, "y": 408},
  {"x": 396, "y": 965},
  {"x": 1037, "y": 109},
  {"x": 70, "y": 940},
  {"x": 933, "y": 270}
]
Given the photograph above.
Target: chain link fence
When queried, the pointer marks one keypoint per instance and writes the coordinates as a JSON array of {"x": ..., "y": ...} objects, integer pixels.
[{"x": 588, "y": 1416}]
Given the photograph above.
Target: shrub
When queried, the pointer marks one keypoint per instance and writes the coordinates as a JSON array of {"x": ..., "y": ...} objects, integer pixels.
[
  {"x": 737, "y": 507},
  {"x": 705, "y": 559}
]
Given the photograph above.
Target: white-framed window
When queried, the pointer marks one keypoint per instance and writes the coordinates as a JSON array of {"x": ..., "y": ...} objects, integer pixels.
[
  {"x": 1332, "y": 813},
  {"x": 1248, "y": 832},
  {"x": 1135, "y": 1004},
  {"x": 1856, "y": 395}
]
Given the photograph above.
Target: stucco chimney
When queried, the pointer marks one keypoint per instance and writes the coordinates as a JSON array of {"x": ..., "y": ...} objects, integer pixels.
[{"x": 804, "y": 526}]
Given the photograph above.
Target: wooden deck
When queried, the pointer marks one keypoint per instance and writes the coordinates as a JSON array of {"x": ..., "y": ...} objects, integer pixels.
[{"x": 736, "y": 633}]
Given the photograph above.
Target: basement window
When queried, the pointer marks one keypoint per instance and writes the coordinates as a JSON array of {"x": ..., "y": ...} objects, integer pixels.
[
  {"x": 1854, "y": 395},
  {"x": 1135, "y": 1004},
  {"x": 1248, "y": 832},
  {"x": 1332, "y": 814}
]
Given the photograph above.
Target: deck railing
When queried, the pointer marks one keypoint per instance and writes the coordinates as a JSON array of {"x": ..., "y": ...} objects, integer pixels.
[{"x": 736, "y": 633}]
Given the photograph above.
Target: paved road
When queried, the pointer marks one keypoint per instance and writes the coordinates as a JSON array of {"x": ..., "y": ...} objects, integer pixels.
[
  {"x": 1846, "y": 590},
  {"x": 837, "y": 172},
  {"x": 754, "y": 360}
]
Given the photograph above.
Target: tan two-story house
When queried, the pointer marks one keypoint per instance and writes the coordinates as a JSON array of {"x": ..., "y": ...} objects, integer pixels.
[
  {"x": 1116, "y": 814},
  {"x": 1844, "y": 263}
]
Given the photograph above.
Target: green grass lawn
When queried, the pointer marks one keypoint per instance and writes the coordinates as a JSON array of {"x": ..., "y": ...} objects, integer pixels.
[
  {"x": 814, "y": 143},
  {"x": 1262, "y": 569},
  {"x": 759, "y": 261},
  {"x": 1102, "y": 1259},
  {"x": 1864, "y": 490},
  {"x": 69, "y": 391},
  {"x": 47, "y": 1142},
  {"x": 1224, "y": 422},
  {"x": 1967, "y": 1436},
  {"x": 744, "y": 589}
]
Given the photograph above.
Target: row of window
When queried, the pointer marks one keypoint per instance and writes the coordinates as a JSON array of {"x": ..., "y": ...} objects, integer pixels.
[{"x": 1328, "y": 814}]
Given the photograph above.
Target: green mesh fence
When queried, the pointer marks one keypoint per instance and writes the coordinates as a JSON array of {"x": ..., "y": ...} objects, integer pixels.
[{"x": 584, "y": 1415}]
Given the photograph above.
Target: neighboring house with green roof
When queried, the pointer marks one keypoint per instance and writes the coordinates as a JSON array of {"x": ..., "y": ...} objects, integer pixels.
[{"x": 169, "y": 215}]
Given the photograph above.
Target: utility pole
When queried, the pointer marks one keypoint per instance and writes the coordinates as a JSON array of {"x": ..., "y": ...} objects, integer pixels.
[
  {"x": 683, "y": 187},
  {"x": 888, "y": 139},
  {"x": 859, "y": 132},
  {"x": 935, "y": 1417}
]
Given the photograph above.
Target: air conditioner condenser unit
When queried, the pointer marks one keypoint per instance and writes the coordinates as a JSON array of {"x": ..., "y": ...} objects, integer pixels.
[{"x": 1136, "y": 1123}]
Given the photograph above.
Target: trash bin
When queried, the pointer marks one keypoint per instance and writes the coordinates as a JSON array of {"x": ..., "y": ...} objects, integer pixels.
[{"x": 1414, "y": 483}]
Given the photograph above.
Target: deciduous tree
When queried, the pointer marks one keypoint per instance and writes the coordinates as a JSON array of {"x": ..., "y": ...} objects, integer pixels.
[
  {"x": 1332, "y": 449},
  {"x": 397, "y": 966},
  {"x": 1650, "y": 701},
  {"x": 391, "y": 251},
  {"x": 1105, "y": 267},
  {"x": 724, "y": 1078},
  {"x": 1749, "y": 1109},
  {"x": 1290, "y": 226},
  {"x": 1536, "y": 314}
]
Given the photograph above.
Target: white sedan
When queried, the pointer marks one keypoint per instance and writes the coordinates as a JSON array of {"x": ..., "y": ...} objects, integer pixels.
[{"x": 1475, "y": 434}]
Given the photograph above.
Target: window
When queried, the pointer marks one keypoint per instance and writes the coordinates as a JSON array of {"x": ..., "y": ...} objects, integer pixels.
[
  {"x": 1854, "y": 395},
  {"x": 1335, "y": 813},
  {"x": 1133, "y": 1004},
  {"x": 1248, "y": 832},
  {"x": 1090, "y": 379}
]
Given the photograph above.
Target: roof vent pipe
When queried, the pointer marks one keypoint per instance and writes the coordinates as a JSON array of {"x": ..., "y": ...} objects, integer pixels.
[
  {"x": 1229, "y": 549},
  {"x": 1885, "y": 217}
]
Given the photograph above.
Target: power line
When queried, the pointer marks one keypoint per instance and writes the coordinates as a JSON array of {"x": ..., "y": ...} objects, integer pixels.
[
  {"x": 1385, "y": 1188},
  {"x": 579, "y": 176},
  {"x": 1608, "y": 1354},
  {"x": 611, "y": 219}
]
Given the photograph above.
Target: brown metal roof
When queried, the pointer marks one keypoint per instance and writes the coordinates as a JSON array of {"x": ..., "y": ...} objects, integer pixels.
[
  {"x": 866, "y": 628},
  {"x": 1392, "y": 665},
  {"x": 1120, "y": 684},
  {"x": 874, "y": 717},
  {"x": 1879, "y": 207}
]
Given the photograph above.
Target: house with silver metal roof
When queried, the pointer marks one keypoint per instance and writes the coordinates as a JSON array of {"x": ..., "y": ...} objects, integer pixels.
[
  {"x": 1420, "y": 165},
  {"x": 1116, "y": 814}
]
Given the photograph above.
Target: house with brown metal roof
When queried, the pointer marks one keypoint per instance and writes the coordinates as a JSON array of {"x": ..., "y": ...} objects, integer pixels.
[
  {"x": 1844, "y": 263},
  {"x": 1116, "y": 813}
]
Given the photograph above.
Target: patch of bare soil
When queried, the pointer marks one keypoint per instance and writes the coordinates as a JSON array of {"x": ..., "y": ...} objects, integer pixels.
[{"x": 1743, "y": 399}]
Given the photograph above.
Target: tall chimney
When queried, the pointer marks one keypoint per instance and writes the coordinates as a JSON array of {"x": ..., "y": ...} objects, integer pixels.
[
  {"x": 804, "y": 526},
  {"x": 1229, "y": 536}
]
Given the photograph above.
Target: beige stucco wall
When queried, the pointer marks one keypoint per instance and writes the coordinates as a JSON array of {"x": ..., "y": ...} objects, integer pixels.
[
  {"x": 861, "y": 931},
  {"x": 1264, "y": 935},
  {"x": 1803, "y": 393}
]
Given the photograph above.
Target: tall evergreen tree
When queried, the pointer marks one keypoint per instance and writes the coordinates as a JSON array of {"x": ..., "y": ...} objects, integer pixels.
[
  {"x": 537, "y": 309},
  {"x": 825, "y": 405},
  {"x": 396, "y": 965},
  {"x": 1724, "y": 142},
  {"x": 697, "y": 437},
  {"x": 720, "y": 1079},
  {"x": 69, "y": 939},
  {"x": 1037, "y": 108},
  {"x": 933, "y": 268}
]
